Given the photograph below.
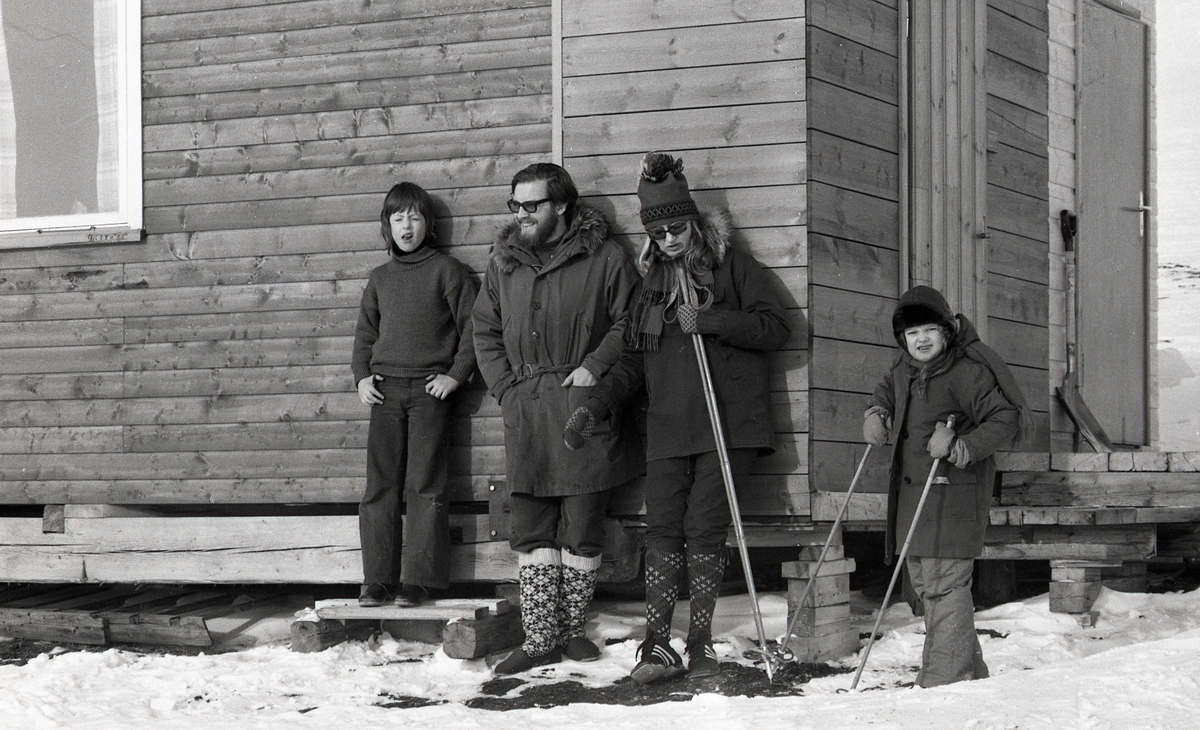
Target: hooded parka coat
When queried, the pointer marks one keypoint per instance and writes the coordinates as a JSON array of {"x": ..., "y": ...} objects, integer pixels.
[
  {"x": 961, "y": 384},
  {"x": 533, "y": 325},
  {"x": 746, "y": 319}
]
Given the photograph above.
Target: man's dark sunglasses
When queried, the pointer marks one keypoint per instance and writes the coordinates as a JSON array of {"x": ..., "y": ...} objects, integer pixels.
[
  {"x": 530, "y": 206},
  {"x": 660, "y": 233}
]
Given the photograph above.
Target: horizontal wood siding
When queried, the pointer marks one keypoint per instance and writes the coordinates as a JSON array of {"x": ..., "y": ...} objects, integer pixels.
[
  {"x": 210, "y": 363},
  {"x": 721, "y": 84},
  {"x": 853, "y": 227},
  {"x": 1018, "y": 173}
]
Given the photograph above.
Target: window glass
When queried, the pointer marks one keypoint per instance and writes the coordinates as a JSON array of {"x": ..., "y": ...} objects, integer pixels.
[{"x": 69, "y": 122}]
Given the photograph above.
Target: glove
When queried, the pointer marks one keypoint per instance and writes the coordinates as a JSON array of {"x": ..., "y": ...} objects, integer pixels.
[
  {"x": 875, "y": 430},
  {"x": 960, "y": 455},
  {"x": 686, "y": 314},
  {"x": 941, "y": 441},
  {"x": 579, "y": 428}
]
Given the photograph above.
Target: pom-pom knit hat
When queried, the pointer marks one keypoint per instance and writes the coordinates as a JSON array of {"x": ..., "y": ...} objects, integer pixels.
[{"x": 663, "y": 191}]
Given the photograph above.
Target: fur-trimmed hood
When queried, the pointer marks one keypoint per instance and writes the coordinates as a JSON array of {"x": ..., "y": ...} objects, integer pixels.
[
  {"x": 587, "y": 231},
  {"x": 716, "y": 236}
]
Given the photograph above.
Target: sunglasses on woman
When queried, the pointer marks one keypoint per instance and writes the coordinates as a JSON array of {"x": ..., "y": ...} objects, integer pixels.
[
  {"x": 529, "y": 206},
  {"x": 675, "y": 229}
]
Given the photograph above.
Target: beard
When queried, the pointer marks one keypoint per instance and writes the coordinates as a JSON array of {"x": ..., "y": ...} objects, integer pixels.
[{"x": 538, "y": 235}]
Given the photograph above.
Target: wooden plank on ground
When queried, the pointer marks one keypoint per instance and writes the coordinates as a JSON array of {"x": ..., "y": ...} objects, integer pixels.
[
  {"x": 473, "y": 639},
  {"x": 67, "y": 626},
  {"x": 447, "y": 610}
]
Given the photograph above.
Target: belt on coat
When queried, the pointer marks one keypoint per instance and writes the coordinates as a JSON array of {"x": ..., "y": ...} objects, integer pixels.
[{"x": 528, "y": 371}]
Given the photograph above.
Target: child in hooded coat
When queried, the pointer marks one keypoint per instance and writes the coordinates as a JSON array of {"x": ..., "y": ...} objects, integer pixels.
[{"x": 943, "y": 370}]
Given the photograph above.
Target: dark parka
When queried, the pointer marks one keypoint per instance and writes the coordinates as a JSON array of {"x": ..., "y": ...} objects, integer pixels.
[
  {"x": 535, "y": 324},
  {"x": 747, "y": 318},
  {"x": 962, "y": 385}
]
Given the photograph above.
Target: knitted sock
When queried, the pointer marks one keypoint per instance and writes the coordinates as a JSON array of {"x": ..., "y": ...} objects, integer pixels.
[
  {"x": 575, "y": 593},
  {"x": 705, "y": 571},
  {"x": 664, "y": 573},
  {"x": 540, "y": 572}
]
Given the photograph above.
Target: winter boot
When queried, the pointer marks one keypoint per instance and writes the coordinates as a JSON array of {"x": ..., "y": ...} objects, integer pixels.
[
  {"x": 574, "y": 597},
  {"x": 540, "y": 572},
  {"x": 656, "y": 660},
  {"x": 705, "y": 571}
]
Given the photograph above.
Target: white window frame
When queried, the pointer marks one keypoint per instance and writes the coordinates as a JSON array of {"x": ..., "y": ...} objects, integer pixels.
[{"x": 125, "y": 224}]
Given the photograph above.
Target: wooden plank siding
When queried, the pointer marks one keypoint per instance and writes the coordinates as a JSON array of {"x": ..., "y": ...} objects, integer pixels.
[
  {"x": 853, "y": 227},
  {"x": 722, "y": 85},
  {"x": 209, "y": 364},
  {"x": 1018, "y": 297},
  {"x": 854, "y": 223},
  {"x": 1062, "y": 148}
]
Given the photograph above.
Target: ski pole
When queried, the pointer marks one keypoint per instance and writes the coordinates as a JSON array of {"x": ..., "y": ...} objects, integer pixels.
[
  {"x": 784, "y": 653},
  {"x": 912, "y": 529},
  {"x": 714, "y": 416}
]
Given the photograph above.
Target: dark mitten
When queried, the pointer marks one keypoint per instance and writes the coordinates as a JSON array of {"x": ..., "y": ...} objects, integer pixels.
[{"x": 579, "y": 428}]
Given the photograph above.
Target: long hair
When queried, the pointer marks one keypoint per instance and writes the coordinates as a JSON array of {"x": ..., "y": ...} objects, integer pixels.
[
  {"x": 560, "y": 188},
  {"x": 406, "y": 196}
]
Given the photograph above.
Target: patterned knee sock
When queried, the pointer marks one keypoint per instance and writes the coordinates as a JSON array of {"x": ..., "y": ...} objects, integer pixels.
[
  {"x": 705, "y": 571},
  {"x": 540, "y": 573},
  {"x": 575, "y": 593},
  {"x": 664, "y": 572}
]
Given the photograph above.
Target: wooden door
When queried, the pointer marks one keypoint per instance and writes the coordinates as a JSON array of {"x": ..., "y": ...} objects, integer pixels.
[{"x": 1112, "y": 257}]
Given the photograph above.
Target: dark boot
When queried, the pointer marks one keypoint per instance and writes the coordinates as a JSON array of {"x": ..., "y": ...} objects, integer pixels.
[
  {"x": 540, "y": 573},
  {"x": 574, "y": 596},
  {"x": 705, "y": 571},
  {"x": 656, "y": 659}
]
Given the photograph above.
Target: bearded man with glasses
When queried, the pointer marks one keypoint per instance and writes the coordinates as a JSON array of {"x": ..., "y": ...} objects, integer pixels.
[{"x": 549, "y": 323}]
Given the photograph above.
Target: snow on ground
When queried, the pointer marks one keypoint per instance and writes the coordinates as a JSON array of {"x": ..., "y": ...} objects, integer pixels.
[{"x": 1139, "y": 667}]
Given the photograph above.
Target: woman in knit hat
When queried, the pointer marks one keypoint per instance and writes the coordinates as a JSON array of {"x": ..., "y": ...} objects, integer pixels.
[{"x": 741, "y": 317}]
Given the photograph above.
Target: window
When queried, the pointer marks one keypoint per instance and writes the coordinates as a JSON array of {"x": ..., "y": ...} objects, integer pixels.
[{"x": 70, "y": 122}]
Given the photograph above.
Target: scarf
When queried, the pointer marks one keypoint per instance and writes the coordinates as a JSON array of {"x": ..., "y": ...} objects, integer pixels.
[{"x": 662, "y": 289}]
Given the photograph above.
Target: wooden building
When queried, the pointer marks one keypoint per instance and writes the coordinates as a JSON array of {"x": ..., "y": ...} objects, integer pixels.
[{"x": 175, "y": 397}]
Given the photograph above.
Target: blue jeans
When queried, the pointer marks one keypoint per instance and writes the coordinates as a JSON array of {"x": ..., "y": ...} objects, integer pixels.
[{"x": 406, "y": 467}]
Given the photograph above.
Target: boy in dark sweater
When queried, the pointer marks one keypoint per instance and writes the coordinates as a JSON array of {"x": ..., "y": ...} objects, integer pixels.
[{"x": 412, "y": 349}]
